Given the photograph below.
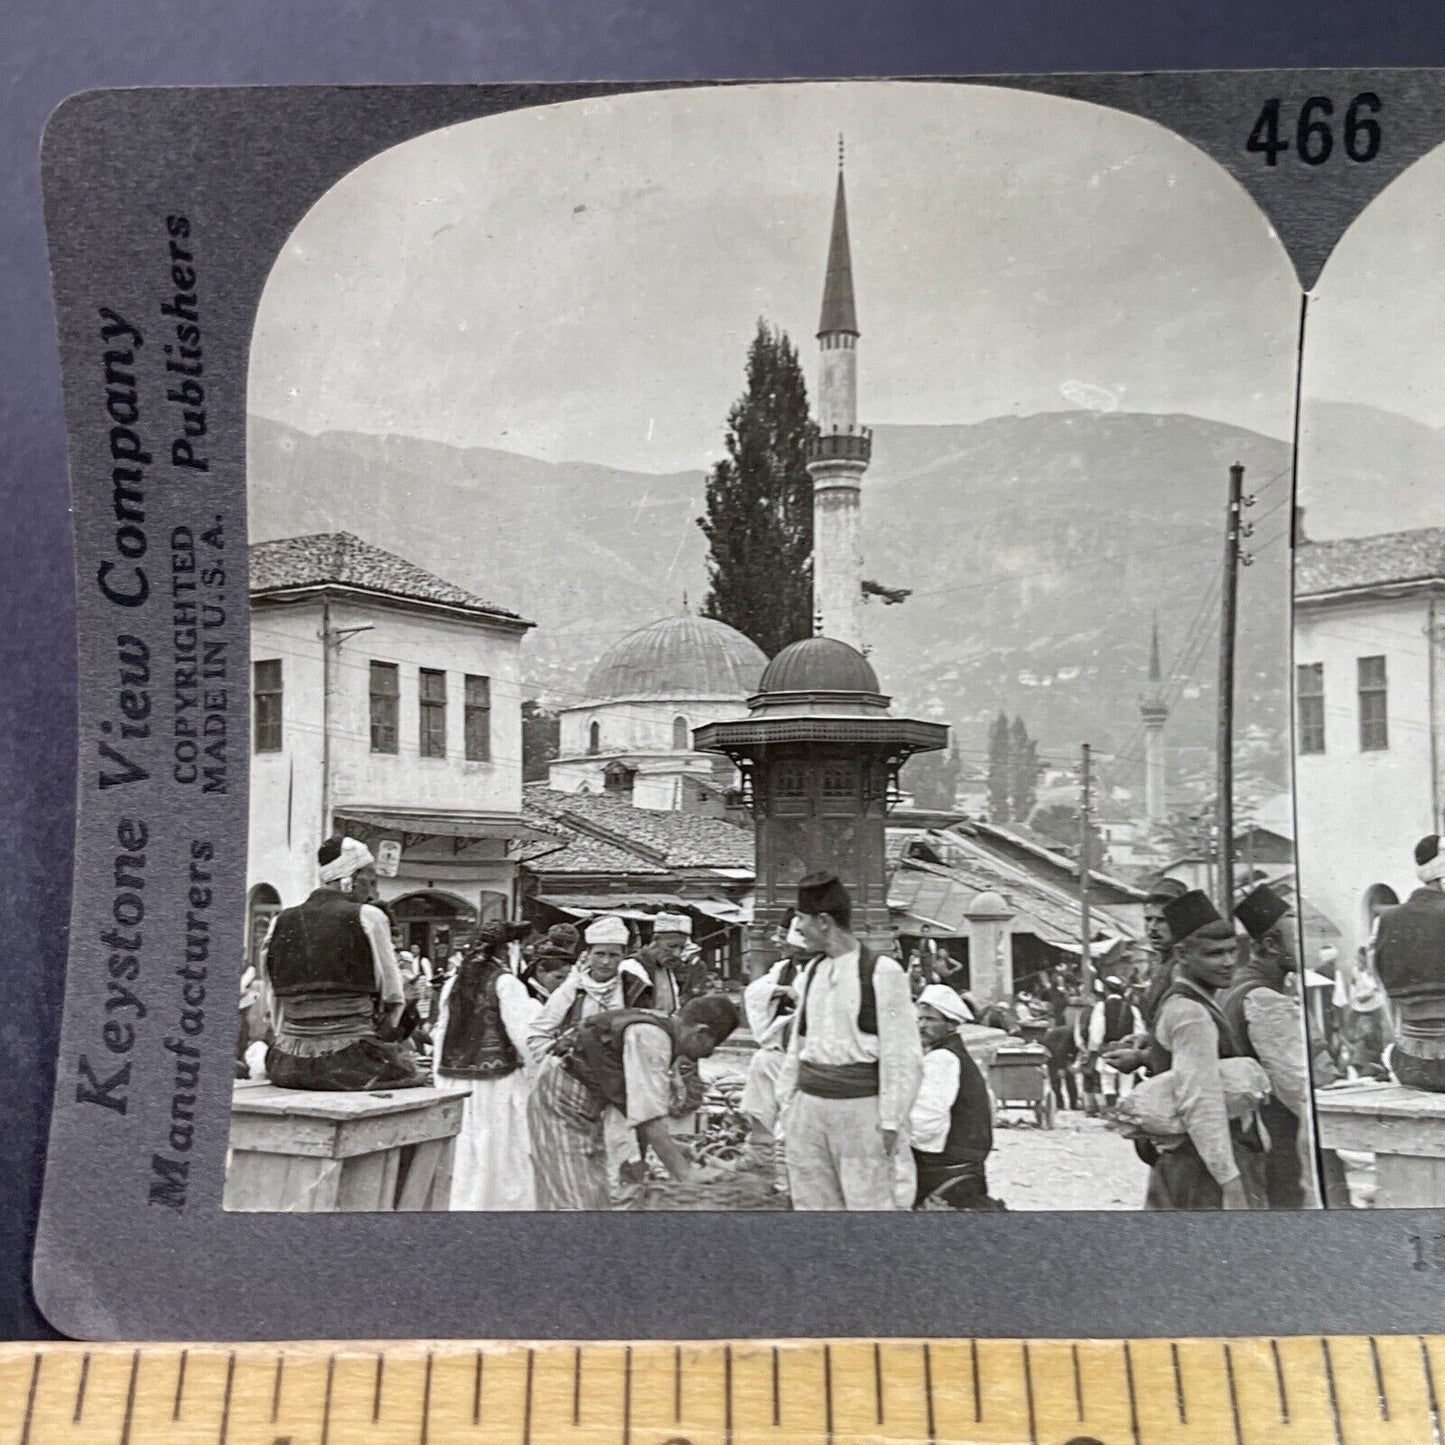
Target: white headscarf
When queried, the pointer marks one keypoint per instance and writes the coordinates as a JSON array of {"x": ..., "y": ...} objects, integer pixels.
[
  {"x": 607, "y": 930},
  {"x": 939, "y": 996},
  {"x": 351, "y": 860}
]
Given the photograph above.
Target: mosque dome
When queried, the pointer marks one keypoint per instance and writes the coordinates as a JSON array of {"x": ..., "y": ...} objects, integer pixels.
[
  {"x": 819, "y": 664},
  {"x": 679, "y": 657}
]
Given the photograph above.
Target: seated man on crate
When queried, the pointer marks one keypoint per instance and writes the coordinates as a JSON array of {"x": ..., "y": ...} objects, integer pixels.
[{"x": 336, "y": 994}]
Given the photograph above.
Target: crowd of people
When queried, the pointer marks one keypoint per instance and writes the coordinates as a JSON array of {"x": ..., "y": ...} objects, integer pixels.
[{"x": 578, "y": 1050}]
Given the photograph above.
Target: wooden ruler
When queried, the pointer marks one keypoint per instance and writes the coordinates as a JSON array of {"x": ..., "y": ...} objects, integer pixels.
[{"x": 1333, "y": 1391}]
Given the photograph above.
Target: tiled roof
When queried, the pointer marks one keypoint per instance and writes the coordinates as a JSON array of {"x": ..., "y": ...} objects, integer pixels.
[
  {"x": 1386, "y": 559},
  {"x": 609, "y": 835},
  {"x": 344, "y": 560}
]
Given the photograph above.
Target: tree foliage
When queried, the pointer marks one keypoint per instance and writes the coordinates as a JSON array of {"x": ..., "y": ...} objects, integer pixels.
[
  {"x": 759, "y": 508},
  {"x": 999, "y": 771},
  {"x": 541, "y": 740},
  {"x": 932, "y": 779},
  {"x": 1023, "y": 772}
]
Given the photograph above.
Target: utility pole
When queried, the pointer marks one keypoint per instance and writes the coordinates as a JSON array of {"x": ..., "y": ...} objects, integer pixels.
[
  {"x": 1224, "y": 807},
  {"x": 1086, "y": 927}
]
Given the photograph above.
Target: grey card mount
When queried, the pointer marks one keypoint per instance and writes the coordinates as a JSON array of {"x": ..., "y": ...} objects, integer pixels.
[{"x": 657, "y": 690}]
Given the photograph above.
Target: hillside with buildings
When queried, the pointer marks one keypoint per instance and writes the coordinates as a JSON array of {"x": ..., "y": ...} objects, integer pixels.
[{"x": 1038, "y": 549}]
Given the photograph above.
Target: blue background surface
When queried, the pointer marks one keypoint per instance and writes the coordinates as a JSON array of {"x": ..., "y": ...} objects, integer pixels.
[{"x": 52, "y": 50}]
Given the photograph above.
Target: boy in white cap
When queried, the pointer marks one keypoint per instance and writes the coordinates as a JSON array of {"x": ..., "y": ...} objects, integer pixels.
[
  {"x": 951, "y": 1122},
  {"x": 333, "y": 983}
]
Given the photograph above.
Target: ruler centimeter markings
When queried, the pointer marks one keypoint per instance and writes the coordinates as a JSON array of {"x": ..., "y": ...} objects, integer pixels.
[{"x": 1317, "y": 1390}]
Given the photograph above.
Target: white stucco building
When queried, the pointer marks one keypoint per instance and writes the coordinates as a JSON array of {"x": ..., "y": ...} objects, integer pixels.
[
  {"x": 1368, "y": 718},
  {"x": 386, "y": 704},
  {"x": 631, "y": 735}
]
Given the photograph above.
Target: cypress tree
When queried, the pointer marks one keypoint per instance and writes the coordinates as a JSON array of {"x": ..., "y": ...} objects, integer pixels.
[
  {"x": 1000, "y": 773},
  {"x": 1023, "y": 772},
  {"x": 759, "y": 509}
]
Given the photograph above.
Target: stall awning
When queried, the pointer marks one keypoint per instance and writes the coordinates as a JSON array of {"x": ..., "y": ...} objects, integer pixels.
[
  {"x": 642, "y": 906},
  {"x": 506, "y": 826}
]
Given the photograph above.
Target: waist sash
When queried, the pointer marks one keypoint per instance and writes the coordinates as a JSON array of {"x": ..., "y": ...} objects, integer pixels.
[{"x": 838, "y": 1081}]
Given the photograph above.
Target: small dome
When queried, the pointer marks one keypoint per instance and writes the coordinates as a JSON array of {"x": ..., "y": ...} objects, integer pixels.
[
  {"x": 679, "y": 657},
  {"x": 988, "y": 905},
  {"x": 819, "y": 664}
]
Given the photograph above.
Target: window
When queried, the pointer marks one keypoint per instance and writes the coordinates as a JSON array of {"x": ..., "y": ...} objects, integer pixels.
[
  {"x": 594, "y": 738},
  {"x": 385, "y": 700},
  {"x": 477, "y": 718},
  {"x": 1310, "y": 701},
  {"x": 266, "y": 690},
  {"x": 433, "y": 731},
  {"x": 681, "y": 735},
  {"x": 1374, "y": 732}
]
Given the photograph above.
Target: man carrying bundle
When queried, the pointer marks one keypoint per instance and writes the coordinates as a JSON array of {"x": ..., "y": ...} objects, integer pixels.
[{"x": 1219, "y": 1163}]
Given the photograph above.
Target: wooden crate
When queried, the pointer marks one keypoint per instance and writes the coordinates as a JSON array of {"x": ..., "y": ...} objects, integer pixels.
[
  {"x": 296, "y": 1151},
  {"x": 1403, "y": 1128}
]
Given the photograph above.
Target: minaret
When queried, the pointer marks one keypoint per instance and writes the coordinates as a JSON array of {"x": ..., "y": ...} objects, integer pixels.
[
  {"x": 1154, "y": 713},
  {"x": 839, "y": 456}
]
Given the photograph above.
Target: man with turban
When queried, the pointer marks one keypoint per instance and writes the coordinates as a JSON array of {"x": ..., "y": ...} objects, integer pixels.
[
  {"x": 951, "y": 1122},
  {"x": 1410, "y": 962},
  {"x": 853, "y": 1064},
  {"x": 1219, "y": 1163},
  {"x": 334, "y": 985},
  {"x": 654, "y": 967},
  {"x": 1269, "y": 1022}
]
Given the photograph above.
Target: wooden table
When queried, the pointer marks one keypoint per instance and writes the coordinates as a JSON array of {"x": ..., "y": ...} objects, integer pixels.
[
  {"x": 304, "y": 1152},
  {"x": 1403, "y": 1128}
]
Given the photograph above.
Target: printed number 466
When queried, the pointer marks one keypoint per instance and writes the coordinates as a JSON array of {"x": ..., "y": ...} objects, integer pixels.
[{"x": 1314, "y": 138}]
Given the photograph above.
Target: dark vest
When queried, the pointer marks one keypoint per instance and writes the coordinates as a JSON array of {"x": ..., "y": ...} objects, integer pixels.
[
  {"x": 320, "y": 947},
  {"x": 1161, "y": 1060},
  {"x": 970, "y": 1130},
  {"x": 867, "y": 998},
  {"x": 1118, "y": 1019},
  {"x": 1410, "y": 946},
  {"x": 477, "y": 1045},
  {"x": 1231, "y": 1005},
  {"x": 596, "y": 1053}
]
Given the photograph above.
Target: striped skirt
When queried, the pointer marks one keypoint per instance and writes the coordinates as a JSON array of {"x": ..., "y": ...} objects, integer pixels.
[{"x": 569, "y": 1155}]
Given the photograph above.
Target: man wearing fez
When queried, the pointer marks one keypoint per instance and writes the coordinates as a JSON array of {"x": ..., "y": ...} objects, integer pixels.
[
  {"x": 1218, "y": 1164},
  {"x": 853, "y": 1066},
  {"x": 334, "y": 985},
  {"x": 1268, "y": 1022},
  {"x": 1410, "y": 962}
]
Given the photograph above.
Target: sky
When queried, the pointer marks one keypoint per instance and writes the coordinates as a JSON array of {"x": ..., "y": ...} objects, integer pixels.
[
  {"x": 581, "y": 281},
  {"x": 1375, "y": 335}
]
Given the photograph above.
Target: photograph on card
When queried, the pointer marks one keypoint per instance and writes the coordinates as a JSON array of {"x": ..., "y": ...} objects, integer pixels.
[
  {"x": 1369, "y": 580},
  {"x": 769, "y": 657}
]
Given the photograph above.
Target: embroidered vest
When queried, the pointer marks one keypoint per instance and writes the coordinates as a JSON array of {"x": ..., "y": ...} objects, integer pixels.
[
  {"x": 477, "y": 1045},
  {"x": 320, "y": 947}
]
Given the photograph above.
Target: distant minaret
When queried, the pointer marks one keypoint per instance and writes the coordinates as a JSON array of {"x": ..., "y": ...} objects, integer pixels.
[
  {"x": 840, "y": 455},
  {"x": 1154, "y": 713}
]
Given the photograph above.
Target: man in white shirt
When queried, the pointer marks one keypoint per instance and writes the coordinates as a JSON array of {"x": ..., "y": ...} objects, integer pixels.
[
  {"x": 853, "y": 1064},
  {"x": 1113, "y": 1022},
  {"x": 769, "y": 1003}
]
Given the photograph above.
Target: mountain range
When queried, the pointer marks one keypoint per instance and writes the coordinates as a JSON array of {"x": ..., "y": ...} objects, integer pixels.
[{"x": 1039, "y": 551}]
